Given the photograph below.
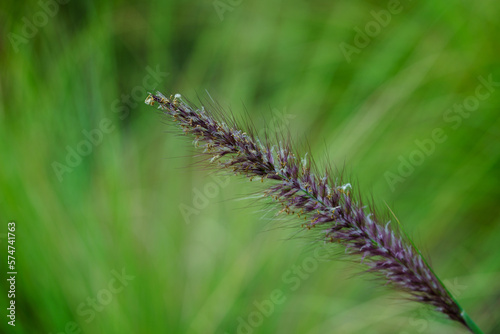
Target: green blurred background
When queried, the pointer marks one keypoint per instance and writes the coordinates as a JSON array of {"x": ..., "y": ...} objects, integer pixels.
[{"x": 192, "y": 257}]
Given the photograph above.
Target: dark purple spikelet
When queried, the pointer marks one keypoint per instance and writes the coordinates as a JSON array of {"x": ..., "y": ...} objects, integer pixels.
[{"x": 321, "y": 201}]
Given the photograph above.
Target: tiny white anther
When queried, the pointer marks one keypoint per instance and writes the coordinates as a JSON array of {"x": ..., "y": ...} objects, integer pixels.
[{"x": 345, "y": 186}]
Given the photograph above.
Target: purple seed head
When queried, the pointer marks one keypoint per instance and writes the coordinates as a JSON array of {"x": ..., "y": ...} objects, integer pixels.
[{"x": 326, "y": 204}]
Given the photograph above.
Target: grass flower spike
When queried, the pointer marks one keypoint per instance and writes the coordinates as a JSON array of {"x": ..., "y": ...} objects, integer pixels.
[{"x": 325, "y": 203}]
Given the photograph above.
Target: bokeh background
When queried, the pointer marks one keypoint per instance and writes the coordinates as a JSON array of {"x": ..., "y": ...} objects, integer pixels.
[{"x": 126, "y": 237}]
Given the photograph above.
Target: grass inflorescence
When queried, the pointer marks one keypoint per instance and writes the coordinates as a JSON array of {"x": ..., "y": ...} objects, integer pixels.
[{"x": 324, "y": 201}]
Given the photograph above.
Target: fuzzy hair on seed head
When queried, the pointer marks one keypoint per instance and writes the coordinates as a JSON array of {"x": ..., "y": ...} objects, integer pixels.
[{"x": 322, "y": 202}]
